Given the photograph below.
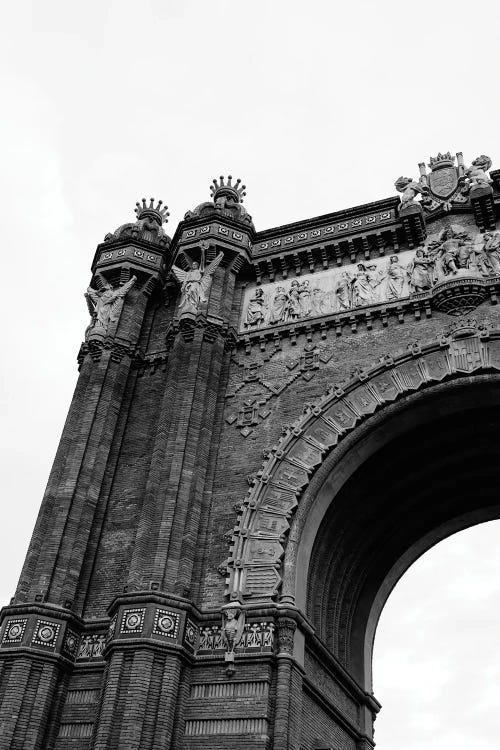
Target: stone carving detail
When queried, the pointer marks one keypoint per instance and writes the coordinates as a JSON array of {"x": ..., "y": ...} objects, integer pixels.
[
  {"x": 70, "y": 645},
  {"x": 14, "y": 631},
  {"x": 409, "y": 190},
  {"x": 248, "y": 415},
  {"x": 148, "y": 226},
  {"x": 286, "y": 632},
  {"x": 92, "y": 646},
  {"x": 226, "y": 201},
  {"x": 455, "y": 251},
  {"x": 191, "y": 634},
  {"x": 46, "y": 633},
  {"x": 133, "y": 620},
  {"x": 257, "y": 635},
  {"x": 233, "y": 622},
  {"x": 446, "y": 184},
  {"x": 111, "y": 629},
  {"x": 195, "y": 285},
  {"x": 264, "y": 518},
  {"x": 166, "y": 623},
  {"x": 477, "y": 174},
  {"x": 105, "y": 307}
]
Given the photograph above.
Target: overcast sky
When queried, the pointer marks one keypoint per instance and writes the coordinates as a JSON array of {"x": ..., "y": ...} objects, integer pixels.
[{"x": 317, "y": 106}]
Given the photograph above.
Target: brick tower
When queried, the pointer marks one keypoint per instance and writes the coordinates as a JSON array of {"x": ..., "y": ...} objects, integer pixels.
[{"x": 219, "y": 531}]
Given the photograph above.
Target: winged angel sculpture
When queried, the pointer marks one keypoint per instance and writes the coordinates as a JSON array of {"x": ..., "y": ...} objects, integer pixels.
[
  {"x": 195, "y": 284},
  {"x": 104, "y": 306}
]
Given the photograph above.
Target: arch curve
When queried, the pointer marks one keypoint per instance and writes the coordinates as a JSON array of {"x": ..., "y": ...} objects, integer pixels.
[{"x": 268, "y": 557}]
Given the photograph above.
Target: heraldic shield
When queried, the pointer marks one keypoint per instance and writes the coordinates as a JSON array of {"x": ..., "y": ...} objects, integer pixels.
[{"x": 443, "y": 181}]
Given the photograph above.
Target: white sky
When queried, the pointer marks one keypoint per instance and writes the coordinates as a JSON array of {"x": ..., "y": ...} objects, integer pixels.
[{"x": 317, "y": 106}]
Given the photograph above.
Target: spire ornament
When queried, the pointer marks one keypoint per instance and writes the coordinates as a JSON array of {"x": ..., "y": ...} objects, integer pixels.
[
  {"x": 227, "y": 198},
  {"x": 158, "y": 214},
  {"x": 227, "y": 190},
  {"x": 147, "y": 226}
]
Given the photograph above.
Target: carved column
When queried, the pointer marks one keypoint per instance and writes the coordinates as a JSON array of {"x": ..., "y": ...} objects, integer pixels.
[
  {"x": 288, "y": 690},
  {"x": 39, "y": 635},
  {"x": 177, "y": 495}
]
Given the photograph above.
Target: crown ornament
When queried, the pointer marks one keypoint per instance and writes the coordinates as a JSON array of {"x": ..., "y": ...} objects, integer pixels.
[
  {"x": 157, "y": 213},
  {"x": 236, "y": 192},
  {"x": 441, "y": 160}
]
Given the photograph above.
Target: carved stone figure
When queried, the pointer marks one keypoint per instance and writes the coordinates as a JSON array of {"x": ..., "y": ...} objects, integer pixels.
[
  {"x": 492, "y": 249},
  {"x": 104, "y": 306},
  {"x": 409, "y": 189},
  {"x": 294, "y": 311},
  {"x": 319, "y": 302},
  {"x": 255, "y": 310},
  {"x": 195, "y": 284},
  {"x": 343, "y": 291},
  {"x": 233, "y": 622},
  {"x": 452, "y": 251},
  {"x": 279, "y": 306},
  {"x": 420, "y": 270},
  {"x": 477, "y": 172},
  {"x": 396, "y": 277},
  {"x": 362, "y": 288},
  {"x": 375, "y": 277},
  {"x": 305, "y": 299}
]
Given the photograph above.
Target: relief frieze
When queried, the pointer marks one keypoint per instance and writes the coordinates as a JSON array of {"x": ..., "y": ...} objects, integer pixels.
[{"x": 454, "y": 252}]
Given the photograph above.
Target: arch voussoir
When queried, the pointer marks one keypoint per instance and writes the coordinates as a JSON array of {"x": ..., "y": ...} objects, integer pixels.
[{"x": 260, "y": 538}]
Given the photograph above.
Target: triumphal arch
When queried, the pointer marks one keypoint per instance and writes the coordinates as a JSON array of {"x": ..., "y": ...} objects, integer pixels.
[{"x": 267, "y": 429}]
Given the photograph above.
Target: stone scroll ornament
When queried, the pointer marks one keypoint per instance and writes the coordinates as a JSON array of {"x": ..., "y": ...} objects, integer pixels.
[
  {"x": 104, "y": 306},
  {"x": 195, "y": 284}
]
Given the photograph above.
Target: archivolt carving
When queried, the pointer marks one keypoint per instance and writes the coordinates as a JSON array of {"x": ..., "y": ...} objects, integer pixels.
[{"x": 259, "y": 539}]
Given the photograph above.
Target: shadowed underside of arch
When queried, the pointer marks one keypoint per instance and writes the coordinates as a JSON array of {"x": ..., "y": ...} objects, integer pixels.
[
  {"x": 410, "y": 489},
  {"x": 322, "y": 450}
]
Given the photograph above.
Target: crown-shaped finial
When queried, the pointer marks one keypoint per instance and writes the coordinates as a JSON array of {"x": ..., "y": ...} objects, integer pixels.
[
  {"x": 441, "y": 160},
  {"x": 157, "y": 213},
  {"x": 236, "y": 192}
]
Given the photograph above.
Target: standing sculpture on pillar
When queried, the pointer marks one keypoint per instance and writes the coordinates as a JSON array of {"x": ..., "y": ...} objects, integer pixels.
[
  {"x": 104, "y": 306},
  {"x": 233, "y": 622},
  {"x": 195, "y": 284}
]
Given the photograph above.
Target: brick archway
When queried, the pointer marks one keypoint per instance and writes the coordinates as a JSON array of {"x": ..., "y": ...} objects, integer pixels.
[{"x": 267, "y": 557}]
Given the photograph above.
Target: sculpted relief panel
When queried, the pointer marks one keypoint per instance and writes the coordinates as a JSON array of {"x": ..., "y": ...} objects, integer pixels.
[{"x": 453, "y": 252}]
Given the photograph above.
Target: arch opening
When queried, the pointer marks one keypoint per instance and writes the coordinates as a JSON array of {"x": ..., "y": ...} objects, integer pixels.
[
  {"x": 426, "y": 468},
  {"x": 436, "y": 647}
]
